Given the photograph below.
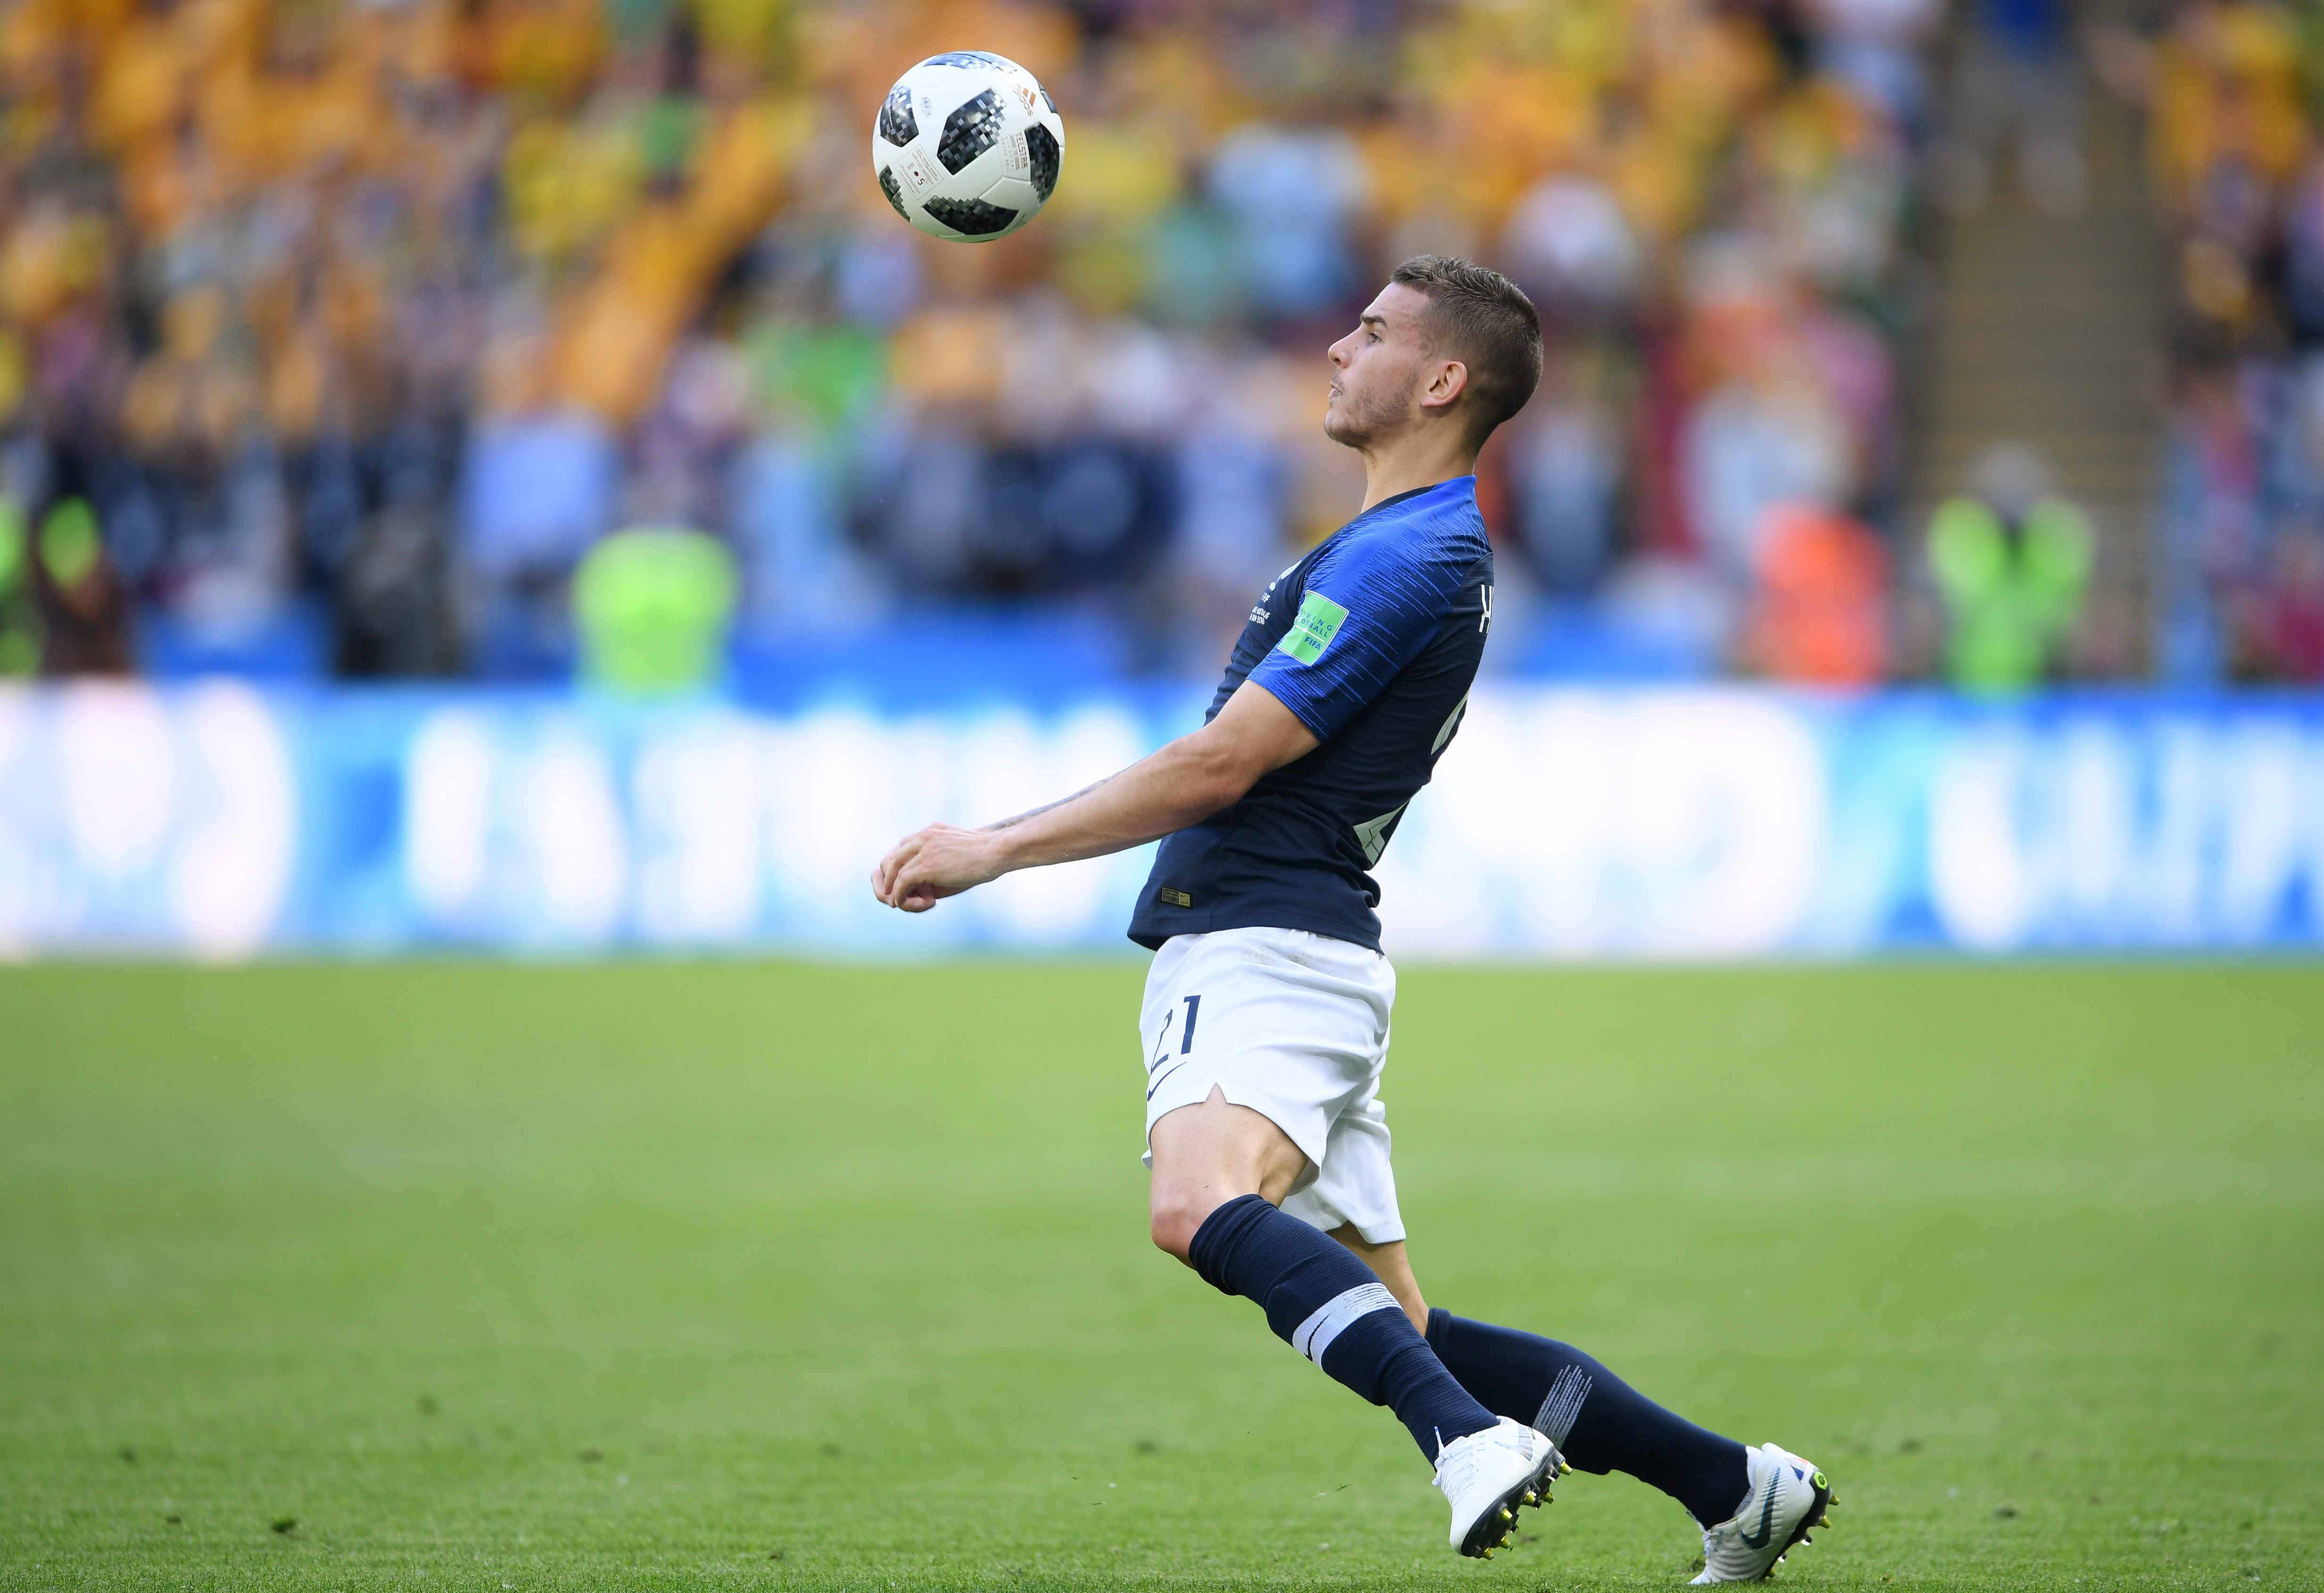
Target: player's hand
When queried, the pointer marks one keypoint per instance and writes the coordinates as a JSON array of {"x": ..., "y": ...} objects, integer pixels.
[{"x": 942, "y": 860}]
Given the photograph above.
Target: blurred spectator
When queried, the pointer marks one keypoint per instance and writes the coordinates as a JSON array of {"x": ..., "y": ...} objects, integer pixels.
[
  {"x": 1873, "y": 46},
  {"x": 21, "y": 634},
  {"x": 2016, "y": 89},
  {"x": 1821, "y": 615},
  {"x": 1292, "y": 194},
  {"x": 1570, "y": 248},
  {"x": 1791, "y": 408},
  {"x": 1749, "y": 450},
  {"x": 652, "y": 607},
  {"x": 799, "y": 571},
  {"x": 83, "y": 614},
  {"x": 2209, "y": 520},
  {"x": 1565, "y": 464},
  {"x": 539, "y": 490},
  {"x": 2286, "y": 624},
  {"x": 1232, "y": 488},
  {"x": 2012, "y": 563},
  {"x": 394, "y": 587}
]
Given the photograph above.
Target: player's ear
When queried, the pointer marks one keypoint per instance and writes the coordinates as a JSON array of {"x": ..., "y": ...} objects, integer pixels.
[{"x": 1446, "y": 384}]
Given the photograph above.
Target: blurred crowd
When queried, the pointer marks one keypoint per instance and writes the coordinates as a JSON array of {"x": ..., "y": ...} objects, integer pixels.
[
  {"x": 2235, "y": 94},
  {"x": 339, "y": 337}
]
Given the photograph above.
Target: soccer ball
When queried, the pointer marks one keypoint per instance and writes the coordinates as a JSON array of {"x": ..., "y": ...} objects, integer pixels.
[{"x": 967, "y": 146}]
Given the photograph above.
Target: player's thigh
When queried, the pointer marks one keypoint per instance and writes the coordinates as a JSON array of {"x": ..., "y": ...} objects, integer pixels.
[
  {"x": 1226, "y": 1149},
  {"x": 1288, "y": 1024}
]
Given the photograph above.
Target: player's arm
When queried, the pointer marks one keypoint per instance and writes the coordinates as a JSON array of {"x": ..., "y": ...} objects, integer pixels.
[{"x": 1184, "y": 783}]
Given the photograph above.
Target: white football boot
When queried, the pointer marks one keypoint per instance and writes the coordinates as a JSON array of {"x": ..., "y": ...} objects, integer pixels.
[
  {"x": 1788, "y": 1495},
  {"x": 1488, "y": 1475}
]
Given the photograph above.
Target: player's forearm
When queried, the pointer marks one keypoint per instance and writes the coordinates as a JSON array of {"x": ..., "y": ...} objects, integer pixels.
[{"x": 1182, "y": 785}]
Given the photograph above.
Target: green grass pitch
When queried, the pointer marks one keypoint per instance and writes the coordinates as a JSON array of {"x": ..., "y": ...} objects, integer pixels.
[{"x": 774, "y": 1276}]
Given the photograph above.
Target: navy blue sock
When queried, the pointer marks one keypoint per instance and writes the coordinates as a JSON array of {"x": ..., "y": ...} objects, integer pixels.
[
  {"x": 1600, "y": 1422},
  {"x": 1324, "y": 1301}
]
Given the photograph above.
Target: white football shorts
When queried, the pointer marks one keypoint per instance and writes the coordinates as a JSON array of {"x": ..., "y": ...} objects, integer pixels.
[{"x": 1294, "y": 1026}]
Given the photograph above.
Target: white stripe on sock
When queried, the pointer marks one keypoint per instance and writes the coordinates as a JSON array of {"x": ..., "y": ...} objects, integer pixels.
[
  {"x": 1315, "y": 1334},
  {"x": 1559, "y": 1410}
]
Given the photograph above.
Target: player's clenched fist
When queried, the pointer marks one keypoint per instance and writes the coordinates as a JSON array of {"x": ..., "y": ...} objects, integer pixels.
[{"x": 942, "y": 860}]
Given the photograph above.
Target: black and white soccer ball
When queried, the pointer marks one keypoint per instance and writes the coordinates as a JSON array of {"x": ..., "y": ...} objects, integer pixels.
[{"x": 967, "y": 146}]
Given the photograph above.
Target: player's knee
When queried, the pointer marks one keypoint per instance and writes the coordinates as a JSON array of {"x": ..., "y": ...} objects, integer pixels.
[{"x": 1174, "y": 1219}]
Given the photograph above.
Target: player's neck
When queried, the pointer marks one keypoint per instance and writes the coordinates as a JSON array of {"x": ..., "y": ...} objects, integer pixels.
[{"x": 1412, "y": 463}]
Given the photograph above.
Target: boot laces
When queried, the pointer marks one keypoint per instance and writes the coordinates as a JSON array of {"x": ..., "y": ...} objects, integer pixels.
[{"x": 1457, "y": 1462}]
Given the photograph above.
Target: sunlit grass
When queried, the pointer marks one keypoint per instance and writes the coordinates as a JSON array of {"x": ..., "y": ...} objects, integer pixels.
[{"x": 773, "y": 1276}]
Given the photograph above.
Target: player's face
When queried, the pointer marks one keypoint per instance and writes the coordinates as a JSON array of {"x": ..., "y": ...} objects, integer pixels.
[{"x": 1376, "y": 370}]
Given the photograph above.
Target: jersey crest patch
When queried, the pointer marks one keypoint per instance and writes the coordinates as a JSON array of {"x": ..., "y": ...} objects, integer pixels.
[{"x": 1318, "y": 621}]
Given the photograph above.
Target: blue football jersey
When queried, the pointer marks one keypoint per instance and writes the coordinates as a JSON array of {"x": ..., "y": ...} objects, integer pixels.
[{"x": 1373, "y": 640}]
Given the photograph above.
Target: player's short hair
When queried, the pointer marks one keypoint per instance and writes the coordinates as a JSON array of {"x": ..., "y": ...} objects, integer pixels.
[{"x": 1483, "y": 320}]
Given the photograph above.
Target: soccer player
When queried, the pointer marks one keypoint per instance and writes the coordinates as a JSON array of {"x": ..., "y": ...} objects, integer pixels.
[{"x": 1266, "y": 1019}]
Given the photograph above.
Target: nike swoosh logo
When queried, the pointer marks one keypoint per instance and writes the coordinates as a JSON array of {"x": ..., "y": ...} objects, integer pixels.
[
  {"x": 1766, "y": 1511},
  {"x": 1157, "y": 1084}
]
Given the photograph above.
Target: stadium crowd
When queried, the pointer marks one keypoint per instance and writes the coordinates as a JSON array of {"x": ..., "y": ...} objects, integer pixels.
[
  {"x": 2235, "y": 94},
  {"x": 337, "y": 337}
]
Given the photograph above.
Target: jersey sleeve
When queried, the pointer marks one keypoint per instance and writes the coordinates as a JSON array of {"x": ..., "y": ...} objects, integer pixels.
[{"x": 1366, "y": 611}]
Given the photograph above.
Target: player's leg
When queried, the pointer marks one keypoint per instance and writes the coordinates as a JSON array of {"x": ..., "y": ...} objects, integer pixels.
[
  {"x": 1393, "y": 1267},
  {"x": 1753, "y": 1505},
  {"x": 1208, "y": 1153},
  {"x": 1353, "y": 1199},
  {"x": 1599, "y": 1423},
  {"x": 1322, "y": 1300},
  {"x": 1219, "y": 1172},
  {"x": 1264, "y": 1049},
  {"x": 1256, "y": 1042}
]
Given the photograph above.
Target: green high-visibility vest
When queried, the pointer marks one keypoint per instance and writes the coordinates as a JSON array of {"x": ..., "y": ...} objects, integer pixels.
[
  {"x": 19, "y": 619},
  {"x": 653, "y": 607},
  {"x": 2010, "y": 600}
]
